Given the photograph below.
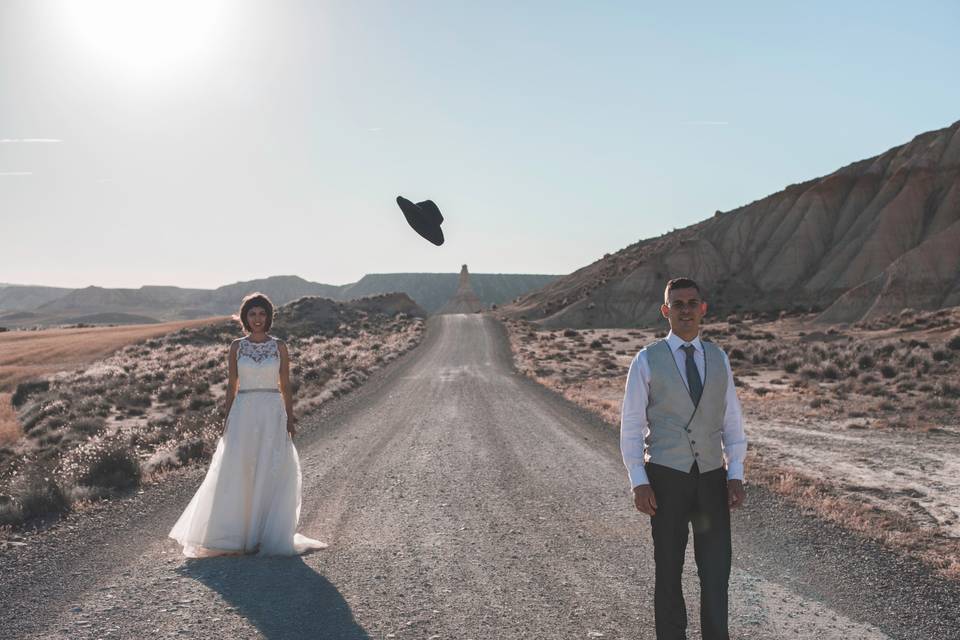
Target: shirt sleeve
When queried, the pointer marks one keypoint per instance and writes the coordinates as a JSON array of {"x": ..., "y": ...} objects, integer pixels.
[
  {"x": 633, "y": 420},
  {"x": 733, "y": 436}
]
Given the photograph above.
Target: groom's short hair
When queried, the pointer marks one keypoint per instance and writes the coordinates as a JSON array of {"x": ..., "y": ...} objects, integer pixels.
[{"x": 680, "y": 283}]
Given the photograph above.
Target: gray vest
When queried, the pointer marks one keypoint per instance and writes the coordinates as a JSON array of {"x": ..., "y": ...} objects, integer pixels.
[{"x": 681, "y": 434}]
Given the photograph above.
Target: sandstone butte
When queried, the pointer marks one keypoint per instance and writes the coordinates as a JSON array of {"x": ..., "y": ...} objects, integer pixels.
[
  {"x": 872, "y": 238},
  {"x": 465, "y": 299}
]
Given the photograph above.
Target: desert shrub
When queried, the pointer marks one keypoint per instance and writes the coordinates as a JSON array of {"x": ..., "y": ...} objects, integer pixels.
[
  {"x": 831, "y": 372},
  {"x": 791, "y": 366},
  {"x": 888, "y": 371},
  {"x": 947, "y": 389},
  {"x": 866, "y": 362},
  {"x": 132, "y": 399},
  {"x": 199, "y": 402},
  {"x": 816, "y": 403},
  {"x": 26, "y": 389},
  {"x": 110, "y": 467},
  {"x": 884, "y": 351},
  {"x": 761, "y": 391},
  {"x": 37, "y": 493},
  {"x": 10, "y": 513},
  {"x": 937, "y": 404},
  {"x": 596, "y": 344},
  {"x": 941, "y": 355},
  {"x": 160, "y": 461},
  {"x": 906, "y": 385},
  {"x": 570, "y": 333},
  {"x": 810, "y": 372},
  {"x": 201, "y": 387},
  {"x": 194, "y": 449},
  {"x": 954, "y": 342},
  {"x": 166, "y": 394},
  {"x": 47, "y": 425},
  {"x": 875, "y": 390},
  {"x": 88, "y": 426},
  {"x": 737, "y": 354},
  {"x": 887, "y": 405}
]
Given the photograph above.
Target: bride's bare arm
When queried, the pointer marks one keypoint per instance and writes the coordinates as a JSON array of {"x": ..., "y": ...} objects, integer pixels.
[
  {"x": 231, "y": 380},
  {"x": 285, "y": 385}
]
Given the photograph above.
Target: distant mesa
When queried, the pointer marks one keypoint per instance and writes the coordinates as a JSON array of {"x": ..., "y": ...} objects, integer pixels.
[
  {"x": 870, "y": 239},
  {"x": 465, "y": 300},
  {"x": 46, "y": 306}
]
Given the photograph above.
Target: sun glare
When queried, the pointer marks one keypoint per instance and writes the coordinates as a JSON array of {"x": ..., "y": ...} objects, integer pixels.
[{"x": 146, "y": 36}]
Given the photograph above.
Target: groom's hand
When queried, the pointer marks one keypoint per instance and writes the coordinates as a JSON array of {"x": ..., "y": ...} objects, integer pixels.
[
  {"x": 644, "y": 499},
  {"x": 735, "y": 493}
]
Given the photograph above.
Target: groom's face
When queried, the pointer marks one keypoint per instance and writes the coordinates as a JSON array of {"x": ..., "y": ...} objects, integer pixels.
[{"x": 684, "y": 309}]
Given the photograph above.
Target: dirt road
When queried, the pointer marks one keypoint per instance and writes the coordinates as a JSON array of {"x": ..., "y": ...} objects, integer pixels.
[{"x": 460, "y": 501}]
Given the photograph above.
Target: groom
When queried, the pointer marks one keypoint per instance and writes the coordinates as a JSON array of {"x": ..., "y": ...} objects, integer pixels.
[{"x": 682, "y": 439}]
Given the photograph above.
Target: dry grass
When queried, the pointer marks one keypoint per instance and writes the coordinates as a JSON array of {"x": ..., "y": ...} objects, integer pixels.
[
  {"x": 155, "y": 405},
  {"x": 10, "y": 429},
  {"x": 31, "y": 354},
  {"x": 884, "y": 377}
]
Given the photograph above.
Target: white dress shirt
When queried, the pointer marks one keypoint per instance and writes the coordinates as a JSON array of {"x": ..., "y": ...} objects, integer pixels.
[{"x": 634, "y": 426}]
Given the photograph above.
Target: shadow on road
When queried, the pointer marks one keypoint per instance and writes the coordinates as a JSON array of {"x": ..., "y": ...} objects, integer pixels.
[{"x": 282, "y": 597}]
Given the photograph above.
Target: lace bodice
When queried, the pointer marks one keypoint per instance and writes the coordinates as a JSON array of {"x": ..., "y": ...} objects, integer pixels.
[{"x": 258, "y": 364}]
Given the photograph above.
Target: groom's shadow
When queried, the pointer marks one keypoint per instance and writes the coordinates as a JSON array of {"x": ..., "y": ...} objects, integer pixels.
[{"x": 282, "y": 596}]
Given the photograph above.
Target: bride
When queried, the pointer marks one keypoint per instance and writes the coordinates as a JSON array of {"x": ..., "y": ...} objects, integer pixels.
[{"x": 249, "y": 501}]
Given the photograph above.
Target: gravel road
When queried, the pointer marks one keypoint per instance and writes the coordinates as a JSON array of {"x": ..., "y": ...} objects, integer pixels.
[{"x": 460, "y": 500}]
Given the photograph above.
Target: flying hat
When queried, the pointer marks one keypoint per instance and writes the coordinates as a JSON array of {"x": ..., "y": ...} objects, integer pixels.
[{"x": 424, "y": 217}]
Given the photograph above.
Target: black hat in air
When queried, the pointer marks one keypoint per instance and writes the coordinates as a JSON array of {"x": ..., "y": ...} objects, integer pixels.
[{"x": 424, "y": 217}]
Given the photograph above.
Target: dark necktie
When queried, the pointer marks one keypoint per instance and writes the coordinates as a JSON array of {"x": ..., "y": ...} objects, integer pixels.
[{"x": 694, "y": 383}]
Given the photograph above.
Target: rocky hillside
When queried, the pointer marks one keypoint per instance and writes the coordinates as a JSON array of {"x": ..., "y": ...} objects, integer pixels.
[
  {"x": 871, "y": 238},
  {"x": 22, "y": 298}
]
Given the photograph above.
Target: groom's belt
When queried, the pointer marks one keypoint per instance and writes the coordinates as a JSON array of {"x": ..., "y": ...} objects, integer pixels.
[{"x": 259, "y": 391}]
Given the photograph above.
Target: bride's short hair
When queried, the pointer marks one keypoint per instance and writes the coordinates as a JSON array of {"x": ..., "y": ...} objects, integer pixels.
[{"x": 255, "y": 299}]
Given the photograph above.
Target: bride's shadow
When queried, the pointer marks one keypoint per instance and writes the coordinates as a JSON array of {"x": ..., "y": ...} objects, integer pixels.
[{"x": 282, "y": 596}]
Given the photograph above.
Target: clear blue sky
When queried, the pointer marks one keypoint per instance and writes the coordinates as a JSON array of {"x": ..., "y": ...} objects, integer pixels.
[{"x": 200, "y": 143}]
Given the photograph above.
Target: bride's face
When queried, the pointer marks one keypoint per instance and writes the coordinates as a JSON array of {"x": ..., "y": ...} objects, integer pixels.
[{"x": 257, "y": 319}]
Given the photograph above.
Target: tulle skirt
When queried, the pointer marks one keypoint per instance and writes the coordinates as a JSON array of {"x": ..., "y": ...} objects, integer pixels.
[{"x": 249, "y": 501}]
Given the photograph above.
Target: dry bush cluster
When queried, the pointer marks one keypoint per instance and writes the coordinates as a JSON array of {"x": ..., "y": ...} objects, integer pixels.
[
  {"x": 901, "y": 378},
  {"x": 157, "y": 405}
]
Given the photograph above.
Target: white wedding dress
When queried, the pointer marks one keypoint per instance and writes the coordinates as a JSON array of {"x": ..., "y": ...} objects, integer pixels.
[{"x": 249, "y": 501}]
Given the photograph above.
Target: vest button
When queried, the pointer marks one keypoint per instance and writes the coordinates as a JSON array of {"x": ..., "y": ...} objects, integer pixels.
[
  {"x": 696, "y": 455},
  {"x": 693, "y": 442}
]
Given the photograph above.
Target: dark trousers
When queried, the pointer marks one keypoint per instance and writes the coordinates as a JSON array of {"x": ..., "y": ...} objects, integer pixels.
[{"x": 699, "y": 499}]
